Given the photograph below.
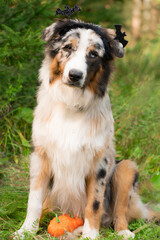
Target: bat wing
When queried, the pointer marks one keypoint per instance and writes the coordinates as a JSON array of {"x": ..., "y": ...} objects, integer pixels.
[{"x": 120, "y": 36}]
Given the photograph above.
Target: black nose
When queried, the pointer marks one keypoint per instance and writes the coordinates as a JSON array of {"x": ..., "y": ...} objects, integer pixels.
[{"x": 75, "y": 75}]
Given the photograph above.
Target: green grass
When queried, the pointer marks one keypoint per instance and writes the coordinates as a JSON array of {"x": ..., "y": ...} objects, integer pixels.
[{"x": 134, "y": 91}]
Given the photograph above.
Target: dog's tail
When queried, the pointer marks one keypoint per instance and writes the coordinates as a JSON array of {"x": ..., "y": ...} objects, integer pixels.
[
  {"x": 125, "y": 195},
  {"x": 138, "y": 210}
]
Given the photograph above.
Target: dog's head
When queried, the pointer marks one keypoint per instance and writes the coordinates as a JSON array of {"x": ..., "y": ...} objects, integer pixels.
[{"x": 80, "y": 54}]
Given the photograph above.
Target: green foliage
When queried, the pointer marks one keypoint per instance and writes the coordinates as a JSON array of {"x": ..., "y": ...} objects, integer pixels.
[
  {"x": 135, "y": 96},
  {"x": 21, "y": 51},
  {"x": 103, "y": 13},
  {"x": 134, "y": 91},
  {"x": 156, "y": 180}
]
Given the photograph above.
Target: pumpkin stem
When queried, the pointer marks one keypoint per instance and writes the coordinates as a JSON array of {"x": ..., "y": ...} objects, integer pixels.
[
  {"x": 58, "y": 221},
  {"x": 71, "y": 214}
]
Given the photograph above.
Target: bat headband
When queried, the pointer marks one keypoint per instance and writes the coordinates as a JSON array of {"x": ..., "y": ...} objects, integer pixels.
[
  {"x": 69, "y": 11},
  {"x": 120, "y": 36}
]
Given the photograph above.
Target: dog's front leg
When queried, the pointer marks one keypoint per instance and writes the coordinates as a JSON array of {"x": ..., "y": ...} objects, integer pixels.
[
  {"x": 95, "y": 184},
  {"x": 39, "y": 177}
]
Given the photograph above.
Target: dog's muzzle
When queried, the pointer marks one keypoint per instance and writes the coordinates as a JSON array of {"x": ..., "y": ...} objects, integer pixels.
[{"x": 75, "y": 77}]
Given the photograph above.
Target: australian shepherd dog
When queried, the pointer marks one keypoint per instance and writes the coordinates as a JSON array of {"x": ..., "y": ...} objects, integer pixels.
[{"x": 73, "y": 134}]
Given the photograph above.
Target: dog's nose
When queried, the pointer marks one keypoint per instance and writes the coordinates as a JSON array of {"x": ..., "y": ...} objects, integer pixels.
[{"x": 75, "y": 75}]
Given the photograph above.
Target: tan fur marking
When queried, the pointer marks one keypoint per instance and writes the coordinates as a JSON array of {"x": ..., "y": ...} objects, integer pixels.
[
  {"x": 154, "y": 215},
  {"x": 94, "y": 81},
  {"x": 56, "y": 70},
  {"x": 74, "y": 43},
  {"x": 57, "y": 66},
  {"x": 91, "y": 48},
  {"x": 92, "y": 217},
  {"x": 122, "y": 183},
  {"x": 44, "y": 168}
]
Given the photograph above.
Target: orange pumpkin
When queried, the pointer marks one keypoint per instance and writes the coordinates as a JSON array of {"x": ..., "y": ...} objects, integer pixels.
[{"x": 58, "y": 226}]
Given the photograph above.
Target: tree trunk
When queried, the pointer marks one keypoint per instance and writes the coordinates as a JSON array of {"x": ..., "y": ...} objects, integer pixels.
[{"x": 136, "y": 19}]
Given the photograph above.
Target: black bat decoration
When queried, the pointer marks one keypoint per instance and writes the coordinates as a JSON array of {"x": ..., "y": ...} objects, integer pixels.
[
  {"x": 68, "y": 11},
  {"x": 120, "y": 36}
]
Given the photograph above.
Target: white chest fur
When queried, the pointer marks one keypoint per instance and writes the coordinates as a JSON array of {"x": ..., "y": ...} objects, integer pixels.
[{"x": 71, "y": 139}]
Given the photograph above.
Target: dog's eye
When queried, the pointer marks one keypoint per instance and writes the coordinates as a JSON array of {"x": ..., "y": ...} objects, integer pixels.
[
  {"x": 93, "y": 54},
  {"x": 68, "y": 47}
]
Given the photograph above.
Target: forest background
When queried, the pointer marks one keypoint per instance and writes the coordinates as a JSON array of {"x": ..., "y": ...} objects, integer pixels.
[{"x": 134, "y": 92}]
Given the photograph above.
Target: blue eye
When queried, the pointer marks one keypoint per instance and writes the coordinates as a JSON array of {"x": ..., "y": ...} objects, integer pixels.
[{"x": 93, "y": 54}]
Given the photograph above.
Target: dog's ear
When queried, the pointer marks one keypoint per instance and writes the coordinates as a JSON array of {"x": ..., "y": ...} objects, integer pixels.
[
  {"x": 52, "y": 32},
  {"x": 116, "y": 47},
  {"x": 48, "y": 32}
]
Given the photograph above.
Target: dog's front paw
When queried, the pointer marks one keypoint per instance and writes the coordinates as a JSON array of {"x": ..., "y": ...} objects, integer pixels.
[
  {"x": 19, "y": 234},
  {"x": 27, "y": 228},
  {"x": 89, "y": 232},
  {"x": 126, "y": 234},
  {"x": 91, "y": 235}
]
